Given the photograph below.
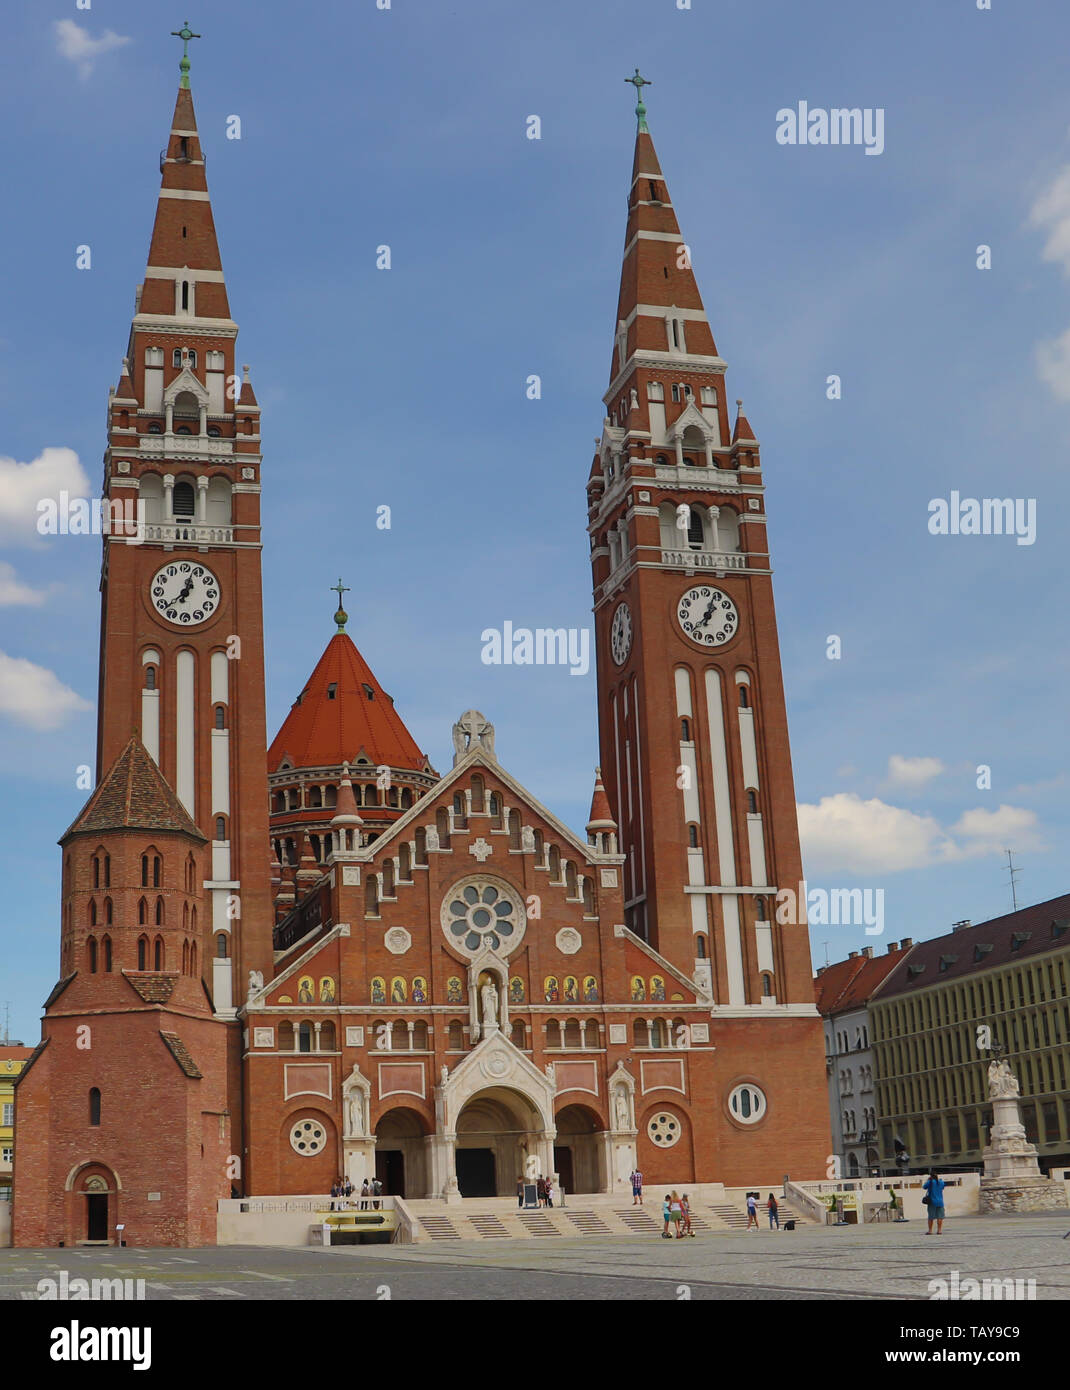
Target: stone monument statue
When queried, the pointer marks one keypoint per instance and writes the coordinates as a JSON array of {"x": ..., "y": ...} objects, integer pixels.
[
  {"x": 472, "y": 730},
  {"x": 356, "y": 1113},
  {"x": 1001, "y": 1080},
  {"x": 620, "y": 1107},
  {"x": 1012, "y": 1180},
  {"x": 256, "y": 983}
]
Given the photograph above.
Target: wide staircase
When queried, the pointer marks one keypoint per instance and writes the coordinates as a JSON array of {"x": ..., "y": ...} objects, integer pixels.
[{"x": 598, "y": 1215}]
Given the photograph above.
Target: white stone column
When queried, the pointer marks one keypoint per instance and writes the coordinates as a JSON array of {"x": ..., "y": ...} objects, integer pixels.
[
  {"x": 715, "y": 539},
  {"x": 679, "y": 442},
  {"x": 202, "y": 499},
  {"x": 169, "y": 486}
]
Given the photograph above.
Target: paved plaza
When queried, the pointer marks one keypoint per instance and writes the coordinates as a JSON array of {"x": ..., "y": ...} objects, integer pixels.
[{"x": 851, "y": 1262}]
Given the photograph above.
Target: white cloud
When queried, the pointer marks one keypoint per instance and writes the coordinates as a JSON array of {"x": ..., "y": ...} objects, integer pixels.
[
  {"x": 75, "y": 43},
  {"x": 13, "y": 591},
  {"x": 912, "y": 772},
  {"x": 1053, "y": 365},
  {"x": 844, "y": 834},
  {"x": 992, "y": 832},
  {"x": 35, "y": 696},
  {"x": 23, "y": 485},
  {"x": 1052, "y": 212}
]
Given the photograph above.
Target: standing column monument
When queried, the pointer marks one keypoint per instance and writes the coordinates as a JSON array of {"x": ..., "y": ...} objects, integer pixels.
[{"x": 1012, "y": 1179}]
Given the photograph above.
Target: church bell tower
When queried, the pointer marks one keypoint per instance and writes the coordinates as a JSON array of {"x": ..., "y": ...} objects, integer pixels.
[
  {"x": 181, "y": 658},
  {"x": 693, "y": 727}
]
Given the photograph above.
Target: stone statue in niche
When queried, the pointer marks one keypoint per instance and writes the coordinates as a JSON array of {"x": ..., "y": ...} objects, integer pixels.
[
  {"x": 444, "y": 1075},
  {"x": 256, "y": 983},
  {"x": 620, "y": 1107},
  {"x": 489, "y": 997},
  {"x": 527, "y": 839},
  {"x": 432, "y": 837},
  {"x": 531, "y": 1167},
  {"x": 356, "y": 1113}
]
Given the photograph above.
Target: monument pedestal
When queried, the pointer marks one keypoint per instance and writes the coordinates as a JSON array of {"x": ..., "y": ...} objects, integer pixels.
[{"x": 1012, "y": 1178}]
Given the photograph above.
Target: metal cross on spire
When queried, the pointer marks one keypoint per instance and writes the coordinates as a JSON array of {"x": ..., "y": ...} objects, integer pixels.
[
  {"x": 640, "y": 110},
  {"x": 185, "y": 34},
  {"x": 341, "y": 617}
]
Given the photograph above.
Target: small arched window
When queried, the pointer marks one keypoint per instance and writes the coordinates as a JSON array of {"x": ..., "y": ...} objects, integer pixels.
[
  {"x": 661, "y": 461},
  {"x": 155, "y": 427},
  {"x": 695, "y": 533},
  {"x": 94, "y": 1106},
  {"x": 183, "y": 499},
  {"x": 159, "y": 912},
  {"x": 220, "y": 828},
  {"x": 759, "y": 904},
  {"x": 752, "y": 803},
  {"x": 304, "y": 1037},
  {"x": 220, "y": 717},
  {"x": 157, "y": 871},
  {"x": 685, "y": 731},
  {"x": 692, "y": 836},
  {"x": 96, "y": 871},
  {"x": 142, "y": 912},
  {"x": 157, "y": 954},
  {"x": 106, "y": 943},
  {"x": 767, "y": 985},
  {"x": 143, "y": 953},
  {"x": 92, "y": 912},
  {"x": 144, "y": 871},
  {"x": 700, "y": 947},
  {"x": 92, "y": 946},
  {"x": 221, "y": 949},
  {"x": 185, "y": 958},
  {"x": 107, "y": 909},
  {"x": 213, "y": 431},
  {"x": 744, "y": 698}
]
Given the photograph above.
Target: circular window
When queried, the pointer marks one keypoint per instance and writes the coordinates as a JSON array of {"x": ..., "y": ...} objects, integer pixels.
[
  {"x": 664, "y": 1130},
  {"x": 308, "y": 1137},
  {"x": 747, "y": 1104},
  {"x": 483, "y": 914}
]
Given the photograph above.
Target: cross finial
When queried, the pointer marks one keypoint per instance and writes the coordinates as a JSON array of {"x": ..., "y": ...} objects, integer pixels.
[
  {"x": 341, "y": 617},
  {"x": 640, "y": 109},
  {"x": 185, "y": 34}
]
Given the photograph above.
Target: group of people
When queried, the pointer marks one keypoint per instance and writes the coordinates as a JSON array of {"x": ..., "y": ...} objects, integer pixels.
[
  {"x": 676, "y": 1212},
  {"x": 544, "y": 1191},
  {"x": 345, "y": 1196},
  {"x": 772, "y": 1207}
]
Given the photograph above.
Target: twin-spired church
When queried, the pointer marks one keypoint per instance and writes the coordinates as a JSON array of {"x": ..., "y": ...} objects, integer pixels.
[{"x": 285, "y": 960}]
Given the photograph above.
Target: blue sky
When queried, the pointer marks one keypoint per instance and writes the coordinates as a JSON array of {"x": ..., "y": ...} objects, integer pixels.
[{"x": 407, "y": 127}]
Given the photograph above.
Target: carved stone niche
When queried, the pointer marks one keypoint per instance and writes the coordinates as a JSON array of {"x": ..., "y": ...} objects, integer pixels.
[{"x": 356, "y": 1104}]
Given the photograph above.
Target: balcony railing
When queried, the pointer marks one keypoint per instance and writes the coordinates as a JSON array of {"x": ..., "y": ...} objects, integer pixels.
[
  {"x": 704, "y": 559},
  {"x": 194, "y": 532},
  {"x": 185, "y": 444}
]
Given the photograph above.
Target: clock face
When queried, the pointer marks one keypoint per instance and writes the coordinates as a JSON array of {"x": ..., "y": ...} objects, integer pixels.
[
  {"x": 185, "y": 593},
  {"x": 708, "y": 616},
  {"x": 620, "y": 634}
]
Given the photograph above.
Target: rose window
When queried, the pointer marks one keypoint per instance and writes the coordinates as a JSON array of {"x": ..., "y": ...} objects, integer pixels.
[
  {"x": 664, "y": 1130},
  {"x": 747, "y": 1104},
  {"x": 483, "y": 914},
  {"x": 308, "y": 1137}
]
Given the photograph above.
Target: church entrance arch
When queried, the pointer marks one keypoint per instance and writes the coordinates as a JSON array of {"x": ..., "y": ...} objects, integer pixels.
[
  {"x": 92, "y": 1198},
  {"x": 498, "y": 1133},
  {"x": 578, "y": 1152},
  {"x": 400, "y": 1153}
]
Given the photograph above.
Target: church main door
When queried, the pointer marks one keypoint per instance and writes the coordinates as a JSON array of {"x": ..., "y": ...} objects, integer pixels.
[
  {"x": 476, "y": 1175},
  {"x": 96, "y": 1216}
]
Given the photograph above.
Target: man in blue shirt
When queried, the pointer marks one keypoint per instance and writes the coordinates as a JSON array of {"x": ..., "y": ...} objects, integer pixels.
[{"x": 933, "y": 1187}]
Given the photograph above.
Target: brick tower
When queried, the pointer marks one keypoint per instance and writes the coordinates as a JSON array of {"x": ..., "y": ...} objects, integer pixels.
[
  {"x": 694, "y": 739},
  {"x": 182, "y": 654}
]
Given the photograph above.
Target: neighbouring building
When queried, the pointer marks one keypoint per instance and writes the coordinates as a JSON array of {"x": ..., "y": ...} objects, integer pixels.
[
  {"x": 13, "y": 1057},
  {"x": 935, "y": 1015},
  {"x": 281, "y": 963},
  {"x": 843, "y": 994}
]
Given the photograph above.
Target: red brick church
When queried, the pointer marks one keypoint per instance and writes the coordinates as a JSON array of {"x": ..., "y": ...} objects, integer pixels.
[{"x": 335, "y": 959}]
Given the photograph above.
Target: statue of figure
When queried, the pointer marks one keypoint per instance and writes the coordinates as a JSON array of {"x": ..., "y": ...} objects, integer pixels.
[
  {"x": 531, "y": 1167},
  {"x": 1002, "y": 1082},
  {"x": 635, "y": 399},
  {"x": 256, "y": 983},
  {"x": 527, "y": 839},
  {"x": 551, "y": 1075},
  {"x": 432, "y": 837},
  {"x": 621, "y": 1106},
  {"x": 444, "y": 1075},
  {"x": 489, "y": 996},
  {"x": 356, "y": 1113}
]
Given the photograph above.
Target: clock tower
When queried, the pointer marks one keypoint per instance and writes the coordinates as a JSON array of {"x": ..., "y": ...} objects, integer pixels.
[
  {"x": 693, "y": 727},
  {"x": 181, "y": 660}
]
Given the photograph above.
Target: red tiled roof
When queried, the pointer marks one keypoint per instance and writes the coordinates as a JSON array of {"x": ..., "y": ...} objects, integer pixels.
[
  {"x": 180, "y": 1052},
  {"x": 851, "y": 983},
  {"x": 321, "y": 731},
  {"x": 154, "y": 989},
  {"x": 133, "y": 795}
]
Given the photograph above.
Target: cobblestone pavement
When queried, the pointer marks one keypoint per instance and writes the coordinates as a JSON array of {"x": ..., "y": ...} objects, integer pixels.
[{"x": 867, "y": 1263}]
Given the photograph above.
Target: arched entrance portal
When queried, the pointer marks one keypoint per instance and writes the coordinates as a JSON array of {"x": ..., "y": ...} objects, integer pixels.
[
  {"x": 578, "y": 1154},
  {"x": 400, "y": 1153},
  {"x": 92, "y": 1204},
  {"x": 497, "y": 1130}
]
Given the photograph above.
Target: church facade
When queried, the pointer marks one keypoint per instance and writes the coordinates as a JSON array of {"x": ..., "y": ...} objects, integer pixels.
[{"x": 284, "y": 963}]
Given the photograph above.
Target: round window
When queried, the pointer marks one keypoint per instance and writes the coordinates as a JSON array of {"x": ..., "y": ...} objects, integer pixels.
[
  {"x": 664, "y": 1130},
  {"x": 483, "y": 913},
  {"x": 308, "y": 1137},
  {"x": 747, "y": 1104}
]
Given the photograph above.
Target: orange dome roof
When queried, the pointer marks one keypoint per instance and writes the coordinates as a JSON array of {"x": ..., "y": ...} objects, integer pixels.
[{"x": 342, "y": 713}]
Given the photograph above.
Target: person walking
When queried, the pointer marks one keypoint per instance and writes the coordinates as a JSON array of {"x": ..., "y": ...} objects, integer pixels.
[
  {"x": 520, "y": 1192},
  {"x": 666, "y": 1210},
  {"x": 540, "y": 1190},
  {"x": 676, "y": 1214},
  {"x": 685, "y": 1206},
  {"x": 549, "y": 1192},
  {"x": 774, "y": 1213},
  {"x": 335, "y": 1194},
  {"x": 377, "y": 1191},
  {"x": 752, "y": 1211},
  {"x": 933, "y": 1187},
  {"x": 637, "y": 1187},
  {"x": 365, "y": 1193}
]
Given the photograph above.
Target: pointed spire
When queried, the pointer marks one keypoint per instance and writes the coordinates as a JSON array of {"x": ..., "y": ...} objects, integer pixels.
[
  {"x": 743, "y": 427},
  {"x": 341, "y": 617},
  {"x": 601, "y": 817},
  {"x": 248, "y": 396},
  {"x": 133, "y": 795},
  {"x": 640, "y": 109},
  {"x": 124, "y": 392},
  {"x": 185, "y": 34},
  {"x": 346, "y": 812}
]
